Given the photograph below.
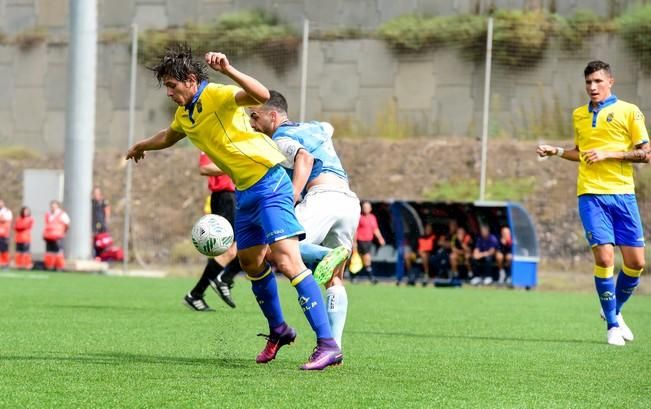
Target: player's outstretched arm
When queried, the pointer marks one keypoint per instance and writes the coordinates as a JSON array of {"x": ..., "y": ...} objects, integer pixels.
[
  {"x": 254, "y": 93},
  {"x": 641, "y": 154},
  {"x": 549, "y": 150},
  {"x": 160, "y": 140}
]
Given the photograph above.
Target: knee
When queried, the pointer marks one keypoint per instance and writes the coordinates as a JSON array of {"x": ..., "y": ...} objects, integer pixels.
[
  {"x": 604, "y": 260},
  {"x": 281, "y": 261},
  {"x": 635, "y": 266},
  {"x": 252, "y": 267}
]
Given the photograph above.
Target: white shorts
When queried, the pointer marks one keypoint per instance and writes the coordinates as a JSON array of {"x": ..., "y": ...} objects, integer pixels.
[{"x": 329, "y": 216}]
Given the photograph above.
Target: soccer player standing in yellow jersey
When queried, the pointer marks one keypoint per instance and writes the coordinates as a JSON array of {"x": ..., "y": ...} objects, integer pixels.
[
  {"x": 213, "y": 118},
  {"x": 609, "y": 135}
]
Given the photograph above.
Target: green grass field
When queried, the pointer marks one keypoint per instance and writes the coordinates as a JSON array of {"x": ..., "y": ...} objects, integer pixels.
[{"x": 80, "y": 341}]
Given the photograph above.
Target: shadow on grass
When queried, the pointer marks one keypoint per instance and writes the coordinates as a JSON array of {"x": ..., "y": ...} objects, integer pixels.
[
  {"x": 477, "y": 337},
  {"x": 121, "y": 358}
]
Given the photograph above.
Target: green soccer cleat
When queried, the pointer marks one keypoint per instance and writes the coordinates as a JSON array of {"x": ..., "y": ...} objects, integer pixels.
[{"x": 323, "y": 272}]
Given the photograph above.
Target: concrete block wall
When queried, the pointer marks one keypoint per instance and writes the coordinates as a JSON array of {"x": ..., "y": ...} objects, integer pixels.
[
  {"x": 358, "y": 82},
  {"x": 361, "y": 83},
  {"x": 20, "y": 15}
]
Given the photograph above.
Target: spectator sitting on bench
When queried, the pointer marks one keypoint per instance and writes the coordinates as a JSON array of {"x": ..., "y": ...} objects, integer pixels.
[
  {"x": 504, "y": 255},
  {"x": 425, "y": 248},
  {"x": 483, "y": 257},
  {"x": 440, "y": 259},
  {"x": 461, "y": 250}
]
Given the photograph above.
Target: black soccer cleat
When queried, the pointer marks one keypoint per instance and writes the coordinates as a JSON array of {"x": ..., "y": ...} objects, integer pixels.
[
  {"x": 196, "y": 304},
  {"x": 223, "y": 289}
]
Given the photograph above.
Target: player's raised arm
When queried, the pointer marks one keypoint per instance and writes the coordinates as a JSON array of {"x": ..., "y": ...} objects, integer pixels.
[
  {"x": 254, "y": 93},
  {"x": 549, "y": 150},
  {"x": 160, "y": 140}
]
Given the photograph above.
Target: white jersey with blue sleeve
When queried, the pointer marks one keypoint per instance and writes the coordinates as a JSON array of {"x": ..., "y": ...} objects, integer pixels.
[{"x": 316, "y": 138}]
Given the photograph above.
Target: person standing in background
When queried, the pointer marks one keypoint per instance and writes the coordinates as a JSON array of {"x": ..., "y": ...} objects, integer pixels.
[
  {"x": 57, "y": 222},
  {"x": 367, "y": 230},
  {"x": 101, "y": 211},
  {"x": 23, "y": 239},
  {"x": 5, "y": 229}
]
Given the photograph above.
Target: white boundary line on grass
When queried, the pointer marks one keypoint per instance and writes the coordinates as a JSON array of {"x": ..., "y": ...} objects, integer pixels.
[{"x": 30, "y": 276}]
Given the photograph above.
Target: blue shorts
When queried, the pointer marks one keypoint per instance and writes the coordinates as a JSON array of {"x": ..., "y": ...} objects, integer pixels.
[
  {"x": 611, "y": 219},
  {"x": 265, "y": 211}
]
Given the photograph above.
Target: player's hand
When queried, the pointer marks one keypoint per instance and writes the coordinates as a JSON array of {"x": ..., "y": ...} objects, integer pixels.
[
  {"x": 135, "y": 153},
  {"x": 382, "y": 242},
  {"x": 594, "y": 156},
  {"x": 546, "y": 150},
  {"x": 217, "y": 61}
]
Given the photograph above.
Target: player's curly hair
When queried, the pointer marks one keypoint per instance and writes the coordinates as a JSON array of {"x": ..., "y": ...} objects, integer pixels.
[
  {"x": 178, "y": 63},
  {"x": 594, "y": 66}
]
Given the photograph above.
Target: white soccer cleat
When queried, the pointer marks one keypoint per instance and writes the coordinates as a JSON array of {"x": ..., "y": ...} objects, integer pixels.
[
  {"x": 615, "y": 337},
  {"x": 475, "y": 281},
  {"x": 627, "y": 334},
  {"x": 626, "y": 331}
]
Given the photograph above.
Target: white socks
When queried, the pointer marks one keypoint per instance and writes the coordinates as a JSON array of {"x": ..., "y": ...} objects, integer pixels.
[{"x": 337, "y": 307}]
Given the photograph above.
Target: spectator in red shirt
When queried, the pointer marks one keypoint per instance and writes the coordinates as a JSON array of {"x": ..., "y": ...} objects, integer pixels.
[
  {"x": 425, "y": 249},
  {"x": 56, "y": 227},
  {"x": 221, "y": 270},
  {"x": 367, "y": 230},
  {"x": 5, "y": 229},
  {"x": 23, "y": 238}
]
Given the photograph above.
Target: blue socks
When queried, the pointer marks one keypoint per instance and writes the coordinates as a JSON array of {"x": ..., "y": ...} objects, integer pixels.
[
  {"x": 312, "y": 253},
  {"x": 606, "y": 293},
  {"x": 309, "y": 297},
  {"x": 265, "y": 289},
  {"x": 626, "y": 283}
]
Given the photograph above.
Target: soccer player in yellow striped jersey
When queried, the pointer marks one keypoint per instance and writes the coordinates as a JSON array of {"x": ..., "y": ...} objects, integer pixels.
[
  {"x": 610, "y": 135},
  {"x": 213, "y": 118}
]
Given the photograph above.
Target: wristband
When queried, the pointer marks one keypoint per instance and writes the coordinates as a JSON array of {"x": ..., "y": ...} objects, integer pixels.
[{"x": 559, "y": 151}]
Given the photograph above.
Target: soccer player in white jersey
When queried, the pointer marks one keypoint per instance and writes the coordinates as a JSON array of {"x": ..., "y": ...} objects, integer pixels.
[{"x": 329, "y": 211}]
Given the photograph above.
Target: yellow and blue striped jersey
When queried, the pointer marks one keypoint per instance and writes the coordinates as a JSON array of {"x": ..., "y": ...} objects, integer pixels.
[
  {"x": 216, "y": 125},
  {"x": 615, "y": 126}
]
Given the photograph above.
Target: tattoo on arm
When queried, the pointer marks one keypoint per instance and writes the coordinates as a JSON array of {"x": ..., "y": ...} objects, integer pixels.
[
  {"x": 641, "y": 154},
  {"x": 637, "y": 155}
]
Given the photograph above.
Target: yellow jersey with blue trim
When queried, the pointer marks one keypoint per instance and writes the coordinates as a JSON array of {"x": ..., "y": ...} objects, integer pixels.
[
  {"x": 616, "y": 126},
  {"x": 220, "y": 128}
]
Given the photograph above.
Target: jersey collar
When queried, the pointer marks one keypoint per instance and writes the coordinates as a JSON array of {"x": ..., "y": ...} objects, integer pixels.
[
  {"x": 602, "y": 104},
  {"x": 289, "y": 123},
  {"x": 190, "y": 106}
]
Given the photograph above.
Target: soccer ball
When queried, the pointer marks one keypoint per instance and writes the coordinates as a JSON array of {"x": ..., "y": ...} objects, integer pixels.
[{"x": 212, "y": 235}]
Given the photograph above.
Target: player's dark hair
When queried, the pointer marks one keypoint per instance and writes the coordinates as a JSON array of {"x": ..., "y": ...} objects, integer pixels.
[
  {"x": 276, "y": 101},
  {"x": 594, "y": 66},
  {"x": 178, "y": 63},
  {"x": 23, "y": 210}
]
